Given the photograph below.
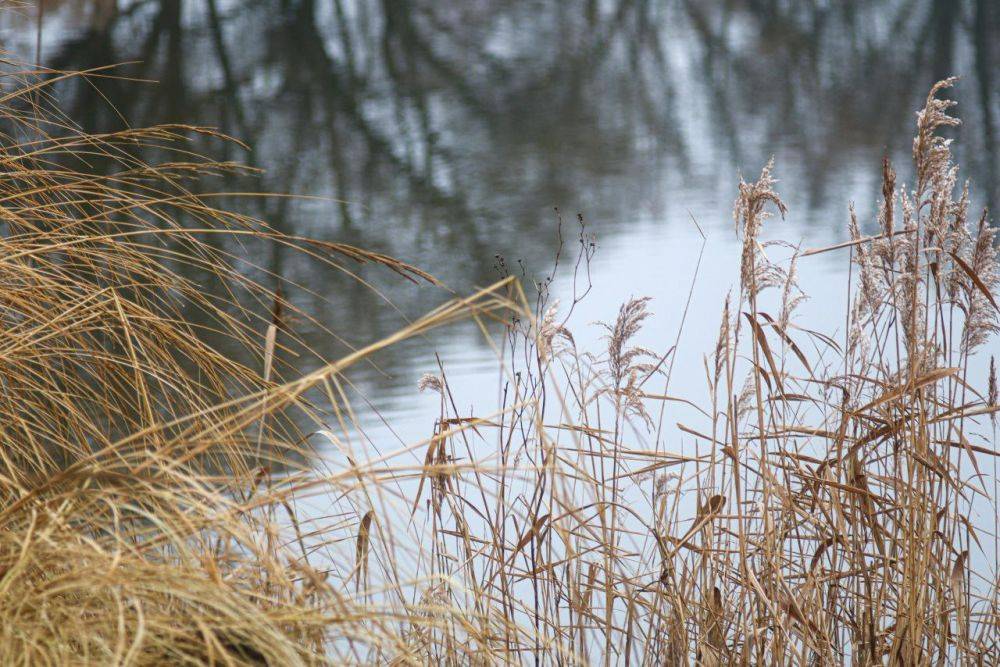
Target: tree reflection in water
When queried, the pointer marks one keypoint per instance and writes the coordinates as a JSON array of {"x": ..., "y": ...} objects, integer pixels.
[{"x": 446, "y": 132}]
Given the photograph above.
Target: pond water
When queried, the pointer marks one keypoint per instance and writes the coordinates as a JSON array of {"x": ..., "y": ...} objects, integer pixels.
[{"x": 446, "y": 133}]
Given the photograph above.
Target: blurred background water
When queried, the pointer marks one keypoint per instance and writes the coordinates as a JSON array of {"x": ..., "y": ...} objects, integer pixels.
[{"x": 446, "y": 133}]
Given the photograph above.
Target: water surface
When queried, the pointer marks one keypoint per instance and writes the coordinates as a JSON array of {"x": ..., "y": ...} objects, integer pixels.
[{"x": 446, "y": 133}]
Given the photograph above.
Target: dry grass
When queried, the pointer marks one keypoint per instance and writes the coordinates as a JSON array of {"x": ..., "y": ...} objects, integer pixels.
[{"x": 153, "y": 510}]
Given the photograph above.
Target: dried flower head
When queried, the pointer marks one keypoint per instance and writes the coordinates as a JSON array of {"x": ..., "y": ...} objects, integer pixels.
[
  {"x": 932, "y": 153},
  {"x": 992, "y": 392},
  {"x": 724, "y": 342},
  {"x": 750, "y": 212},
  {"x": 662, "y": 481},
  {"x": 549, "y": 330},
  {"x": 622, "y": 357},
  {"x": 632, "y": 397},
  {"x": 429, "y": 381},
  {"x": 979, "y": 284},
  {"x": 888, "y": 197},
  {"x": 872, "y": 284},
  {"x": 791, "y": 294}
]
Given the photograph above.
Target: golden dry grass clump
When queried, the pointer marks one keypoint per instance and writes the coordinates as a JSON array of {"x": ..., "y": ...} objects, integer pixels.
[
  {"x": 129, "y": 532},
  {"x": 154, "y": 507}
]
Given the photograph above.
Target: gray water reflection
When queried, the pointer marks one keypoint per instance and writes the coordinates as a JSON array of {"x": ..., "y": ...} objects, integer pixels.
[{"x": 447, "y": 131}]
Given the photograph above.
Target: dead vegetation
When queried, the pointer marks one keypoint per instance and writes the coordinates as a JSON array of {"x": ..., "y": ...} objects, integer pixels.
[{"x": 154, "y": 510}]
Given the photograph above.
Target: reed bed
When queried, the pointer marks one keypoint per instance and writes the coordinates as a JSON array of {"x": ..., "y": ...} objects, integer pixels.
[{"x": 163, "y": 503}]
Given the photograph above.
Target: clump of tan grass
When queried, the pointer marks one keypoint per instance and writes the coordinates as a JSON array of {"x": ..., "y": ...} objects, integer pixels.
[
  {"x": 130, "y": 532},
  {"x": 163, "y": 503}
]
